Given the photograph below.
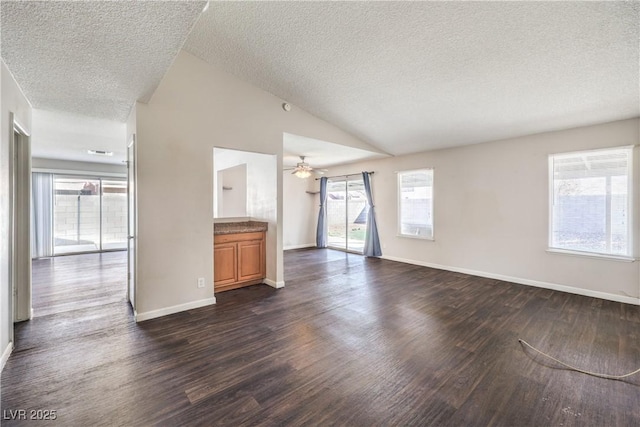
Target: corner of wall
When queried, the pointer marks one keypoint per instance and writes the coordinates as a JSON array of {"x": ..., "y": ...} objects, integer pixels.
[
  {"x": 12, "y": 101},
  {"x": 148, "y": 315},
  {"x": 5, "y": 356},
  {"x": 274, "y": 284}
]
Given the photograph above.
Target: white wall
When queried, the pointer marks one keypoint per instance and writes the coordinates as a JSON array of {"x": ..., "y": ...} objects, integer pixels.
[
  {"x": 75, "y": 167},
  {"x": 261, "y": 182},
  {"x": 130, "y": 126},
  {"x": 233, "y": 200},
  {"x": 198, "y": 107},
  {"x": 12, "y": 100},
  {"x": 491, "y": 211},
  {"x": 300, "y": 211}
]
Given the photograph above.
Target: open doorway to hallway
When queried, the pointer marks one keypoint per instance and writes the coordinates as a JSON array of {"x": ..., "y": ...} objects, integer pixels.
[
  {"x": 78, "y": 218},
  {"x": 79, "y": 285},
  {"x": 79, "y": 237}
]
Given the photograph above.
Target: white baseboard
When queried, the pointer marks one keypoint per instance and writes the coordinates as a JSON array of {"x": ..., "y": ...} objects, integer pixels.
[
  {"x": 274, "y": 284},
  {"x": 306, "y": 245},
  {"x": 5, "y": 355},
  {"x": 30, "y": 317},
  {"x": 140, "y": 317},
  {"x": 520, "y": 281}
]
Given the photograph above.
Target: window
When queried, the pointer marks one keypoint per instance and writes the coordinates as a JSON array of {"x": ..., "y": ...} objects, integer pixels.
[
  {"x": 89, "y": 214},
  {"x": 591, "y": 201},
  {"x": 415, "y": 203}
]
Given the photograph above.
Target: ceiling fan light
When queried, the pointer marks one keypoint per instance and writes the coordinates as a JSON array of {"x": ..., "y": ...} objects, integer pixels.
[{"x": 302, "y": 173}]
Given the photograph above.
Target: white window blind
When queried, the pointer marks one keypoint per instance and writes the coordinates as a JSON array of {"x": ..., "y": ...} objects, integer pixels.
[
  {"x": 591, "y": 201},
  {"x": 415, "y": 203}
]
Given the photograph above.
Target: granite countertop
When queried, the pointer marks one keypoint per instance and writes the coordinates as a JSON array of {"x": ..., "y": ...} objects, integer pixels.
[{"x": 239, "y": 227}]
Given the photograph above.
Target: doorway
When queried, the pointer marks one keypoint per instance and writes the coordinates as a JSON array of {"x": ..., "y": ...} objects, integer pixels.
[
  {"x": 132, "y": 222},
  {"x": 74, "y": 216},
  {"x": 346, "y": 213},
  {"x": 20, "y": 224}
]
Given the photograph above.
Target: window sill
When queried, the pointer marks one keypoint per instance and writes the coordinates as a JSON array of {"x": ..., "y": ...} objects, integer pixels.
[
  {"x": 409, "y": 236},
  {"x": 621, "y": 258}
]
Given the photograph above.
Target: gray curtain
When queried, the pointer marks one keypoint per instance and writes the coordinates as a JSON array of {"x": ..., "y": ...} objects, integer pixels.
[
  {"x": 321, "y": 232},
  {"x": 371, "y": 238},
  {"x": 41, "y": 215}
]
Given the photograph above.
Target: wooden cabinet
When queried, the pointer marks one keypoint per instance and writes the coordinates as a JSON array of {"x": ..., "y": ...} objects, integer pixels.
[
  {"x": 238, "y": 260},
  {"x": 225, "y": 264}
]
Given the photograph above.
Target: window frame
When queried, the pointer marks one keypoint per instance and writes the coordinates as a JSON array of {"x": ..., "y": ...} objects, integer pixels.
[
  {"x": 399, "y": 232},
  {"x": 630, "y": 255}
]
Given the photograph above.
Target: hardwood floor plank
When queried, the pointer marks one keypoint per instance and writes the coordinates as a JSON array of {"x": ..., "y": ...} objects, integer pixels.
[{"x": 348, "y": 341}]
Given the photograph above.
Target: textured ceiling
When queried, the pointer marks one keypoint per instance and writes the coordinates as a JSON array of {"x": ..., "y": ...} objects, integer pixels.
[
  {"x": 403, "y": 76},
  {"x": 68, "y": 136},
  {"x": 413, "y": 76},
  {"x": 94, "y": 58},
  {"x": 320, "y": 154}
]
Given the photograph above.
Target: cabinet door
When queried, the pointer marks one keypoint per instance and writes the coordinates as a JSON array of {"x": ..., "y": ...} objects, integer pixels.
[
  {"x": 225, "y": 264},
  {"x": 251, "y": 260}
]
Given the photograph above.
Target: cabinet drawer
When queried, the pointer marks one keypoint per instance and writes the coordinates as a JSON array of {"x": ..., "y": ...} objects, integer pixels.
[{"x": 238, "y": 237}]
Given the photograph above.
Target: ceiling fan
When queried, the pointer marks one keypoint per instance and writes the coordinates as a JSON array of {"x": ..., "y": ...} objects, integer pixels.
[{"x": 302, "y": 169}]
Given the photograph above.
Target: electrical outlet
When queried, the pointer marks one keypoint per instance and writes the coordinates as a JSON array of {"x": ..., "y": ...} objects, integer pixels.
[{"x": 201, "y": 282}]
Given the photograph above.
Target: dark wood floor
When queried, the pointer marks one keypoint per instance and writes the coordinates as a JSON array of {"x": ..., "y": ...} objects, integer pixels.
[
  {"x": 349, "y": 341},
  {"x": 71, "y": 283}
]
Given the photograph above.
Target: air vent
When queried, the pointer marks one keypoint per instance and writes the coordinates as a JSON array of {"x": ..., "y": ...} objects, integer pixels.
[{"x": 100, "y": 152}]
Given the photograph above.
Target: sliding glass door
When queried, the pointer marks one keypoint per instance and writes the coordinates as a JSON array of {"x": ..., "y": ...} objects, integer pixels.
[
  {"x": 89, "y": 214},
  {"x": 346, "y": 214},
  {"x": 114, "y": 214},
  {"x": 76, "y": 215},
  {"x": 336, "y": 214}
]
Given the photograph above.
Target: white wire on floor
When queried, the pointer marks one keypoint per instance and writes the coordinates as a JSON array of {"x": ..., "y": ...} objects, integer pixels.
[{"x": 595, "y": 374}]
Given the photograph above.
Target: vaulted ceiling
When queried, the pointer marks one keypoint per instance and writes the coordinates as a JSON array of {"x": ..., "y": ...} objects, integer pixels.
[
  {"x": 94, "y": 58},
  {"x": 402, "y": 76},
  {"x": 413, "y": 76}
]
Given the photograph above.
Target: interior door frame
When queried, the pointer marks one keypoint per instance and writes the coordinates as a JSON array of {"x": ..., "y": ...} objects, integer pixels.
[
  {"x": 20, "y": 304},
  {"x": 132, "y": 222}
]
